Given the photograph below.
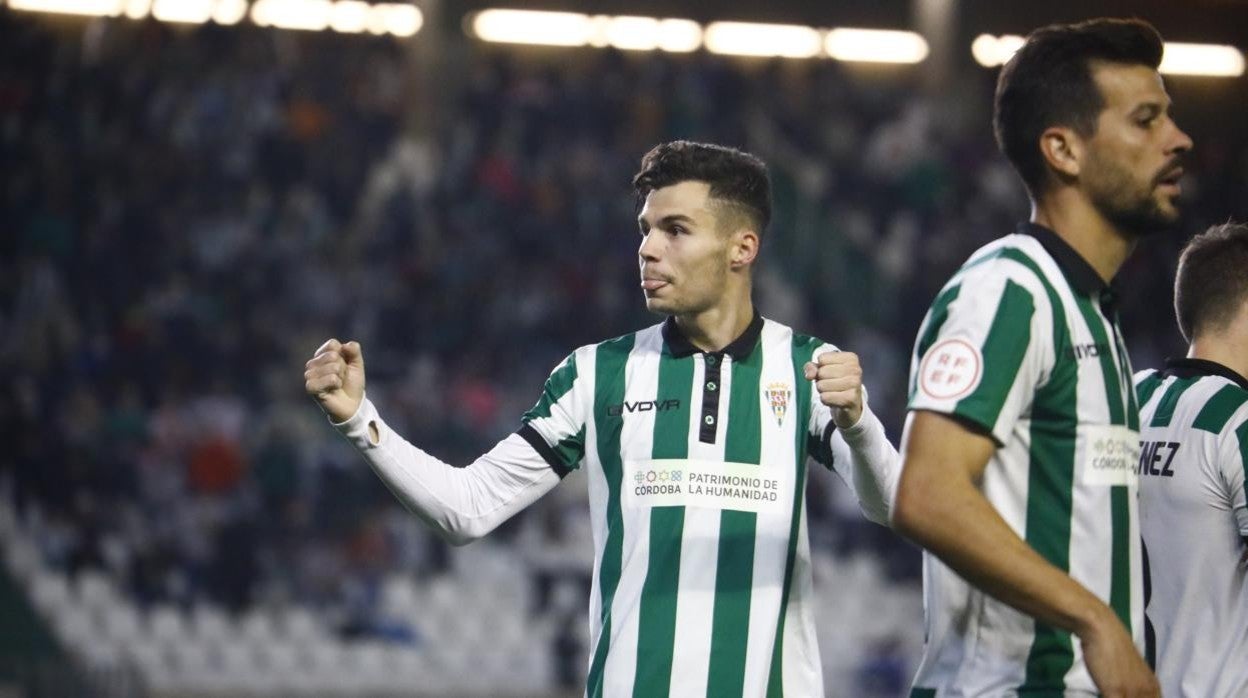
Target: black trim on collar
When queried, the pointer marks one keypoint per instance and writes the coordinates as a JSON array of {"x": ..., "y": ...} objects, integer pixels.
[
  {"x": 740, "y": 348},
  {"x": 1186, "y": 368},
  {"x": 1078, "y": 272}
]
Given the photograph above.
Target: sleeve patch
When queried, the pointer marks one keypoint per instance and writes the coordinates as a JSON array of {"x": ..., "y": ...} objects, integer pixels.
[{"x": 951, "y": 369}]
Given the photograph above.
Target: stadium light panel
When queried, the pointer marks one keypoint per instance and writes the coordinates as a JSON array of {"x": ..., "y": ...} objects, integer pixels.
[
  {"x": 631, "y": 33},
  {"x": 349, "y": 16},
  {"x": 138, "y": 9},
  {"x": 92, "y": 8},
  {"x": 182, "y": 11},
  {"x": 875, "y": 46},
  {"x": 308, "y": 15},
  {"x": 750, "y": 39},
  {"x": 646, "y": 34},
  {"x": 228, "y": 12},
  {"x": 532, "y": 27},
  {"x": 679, "y": 35},
  {"x": 991, "y": 51},
  {"x": 1210, "y": 60},
  {"x": 399, "y": 19}
]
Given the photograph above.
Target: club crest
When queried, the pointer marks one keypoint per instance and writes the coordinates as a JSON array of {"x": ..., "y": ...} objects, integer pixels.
[{"x": 778, "y": 395}]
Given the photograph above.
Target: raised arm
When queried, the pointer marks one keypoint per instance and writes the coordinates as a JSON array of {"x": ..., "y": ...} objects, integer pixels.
[
  {"x": 851, "y": 438},
  {"x": 461, "y": 503}
]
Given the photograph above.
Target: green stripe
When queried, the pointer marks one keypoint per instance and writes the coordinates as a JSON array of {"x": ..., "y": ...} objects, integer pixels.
[
  {"x": 558, "y": 385},
  {"x": 1049, "y": 502},
  {"x": 1120, "y": 560},
  {"x": 1170, "y": 400},
  {"x": 571, "y": 448},
  {"x": 1113, "y": 389},
  {"x": 1147, "y": 386},
  {"x": 1124, "y": 368},
  {"x": 1004, "y": 349},
  {"x": 1120, "y": 403},
  {"x": 656, "y": 631},
  {"x": 936, "y": 319},
  {"x": 734, "y": 573},
  {"x": 611, "y": 358},
  {"x": 1242, "y": 433},
  {"x": 1220, "y": 408},
  {"x": 803, "y": 349},
  {"x": 1050, "y": 480},
  {"x": 917, "y": 692}
]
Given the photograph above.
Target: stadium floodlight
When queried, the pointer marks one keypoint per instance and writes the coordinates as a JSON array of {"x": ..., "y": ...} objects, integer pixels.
[
  {"x": 630, "y": 33},
  {"x": 991, "y": 51},
  {"x": 679, "y": 35},
  {"x": 1210, "y": 60},
  {"x": 750, "y": 39},
  {"x": 646, "y": 34},
  {"x": 875, "y": 46},
  {"x": 349, "y": 16},
  {"x": 229, "y": 12},
  {"x": 398, "y": 19},
  {"x": 94, "y": 8},
  {"x": 182, "y": 11},
  {"x": 308, "y": 15},
  {"x": 532, "y": 27},
  {"x": 138, "y": 9}
]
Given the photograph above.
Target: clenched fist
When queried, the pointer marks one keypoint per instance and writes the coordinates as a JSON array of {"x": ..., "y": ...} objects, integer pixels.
[
  {"x": 838, "y": 379},
  {"x": 335, "y": 377}
]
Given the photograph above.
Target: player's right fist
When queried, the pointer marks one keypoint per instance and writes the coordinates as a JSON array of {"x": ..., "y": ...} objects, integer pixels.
[{"x": 335, "y": 377}]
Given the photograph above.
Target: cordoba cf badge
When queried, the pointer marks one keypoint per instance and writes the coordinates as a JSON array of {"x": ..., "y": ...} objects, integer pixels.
[{"x": 778, "y": 395}]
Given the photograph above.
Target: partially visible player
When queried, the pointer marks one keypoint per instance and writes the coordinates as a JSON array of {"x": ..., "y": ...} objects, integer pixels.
[
  {"x": 695, "y": 433},
  {"x": 1018, "y": 472},
  {"x": 1194, "y": 450}
]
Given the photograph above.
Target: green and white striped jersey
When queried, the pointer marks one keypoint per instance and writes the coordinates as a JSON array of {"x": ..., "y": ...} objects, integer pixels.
[
  {"x": 1194, "y": 431},
  {"x": 697, "y": 470},
  {"x": 1023, "y": 344}
]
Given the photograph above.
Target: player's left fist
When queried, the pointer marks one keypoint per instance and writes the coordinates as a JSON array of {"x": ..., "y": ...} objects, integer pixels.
[{"x": 838, "y": 380}]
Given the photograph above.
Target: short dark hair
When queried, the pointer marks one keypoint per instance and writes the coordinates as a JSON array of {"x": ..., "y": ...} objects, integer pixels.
[
  {"x": 737, "y": 179},
  {"x": 1049, "y": 83},
  {"x": 1212, "y": 281}
]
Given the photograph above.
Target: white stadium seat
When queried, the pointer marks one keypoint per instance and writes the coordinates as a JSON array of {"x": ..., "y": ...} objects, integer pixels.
[
  {"x": 167, "y": 624},
  {"x": 208, "y": 623},
  {"x": 49, "y": 591},
  {"x": 94, "y": 589}
]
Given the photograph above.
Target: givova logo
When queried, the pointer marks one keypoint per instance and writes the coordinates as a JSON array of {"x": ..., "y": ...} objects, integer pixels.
[{"x": 643, "y": 406}]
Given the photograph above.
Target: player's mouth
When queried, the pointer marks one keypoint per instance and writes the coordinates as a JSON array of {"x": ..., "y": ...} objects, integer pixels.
[
  {"x": 653, "y": 283},
  {"x": 1168, "y": 181}
]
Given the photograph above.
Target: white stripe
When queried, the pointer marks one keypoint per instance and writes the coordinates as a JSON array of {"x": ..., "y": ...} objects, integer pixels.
[
  {"x": 586, "y": 361},
  {"x": 699, "y": 555},
  {"x": 1091, "y": 563},
  {"x": 800, "y": 662},
  {"x": 778, "y": 451},
  {"x": 636, "y": 440}
]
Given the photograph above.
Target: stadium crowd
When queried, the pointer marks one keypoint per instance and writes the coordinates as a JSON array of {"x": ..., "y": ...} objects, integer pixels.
[{"x": 188, "y": 213}]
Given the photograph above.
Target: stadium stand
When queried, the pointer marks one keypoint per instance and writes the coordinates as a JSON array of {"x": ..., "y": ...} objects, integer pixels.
[{"x": 196, "y": 208}]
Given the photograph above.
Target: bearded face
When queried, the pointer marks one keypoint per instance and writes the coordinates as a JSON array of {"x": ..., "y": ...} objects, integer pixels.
[{"x": 1133, "y": 164}]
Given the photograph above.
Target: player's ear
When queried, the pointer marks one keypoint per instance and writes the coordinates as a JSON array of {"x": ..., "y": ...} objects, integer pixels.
[
  {"x": 743, "y": 248},
  {"x": 1063, "y": 150}
]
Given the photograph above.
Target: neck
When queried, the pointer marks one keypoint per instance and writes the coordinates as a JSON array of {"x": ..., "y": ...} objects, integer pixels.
[
  {"x": 1227, "y": 348},
  {"x": 1068, "y": 213},
  {"x": 716, "y": 327}
]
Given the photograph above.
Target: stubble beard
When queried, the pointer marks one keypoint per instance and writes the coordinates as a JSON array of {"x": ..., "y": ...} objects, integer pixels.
[{"x": 1132, "y": 208}]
